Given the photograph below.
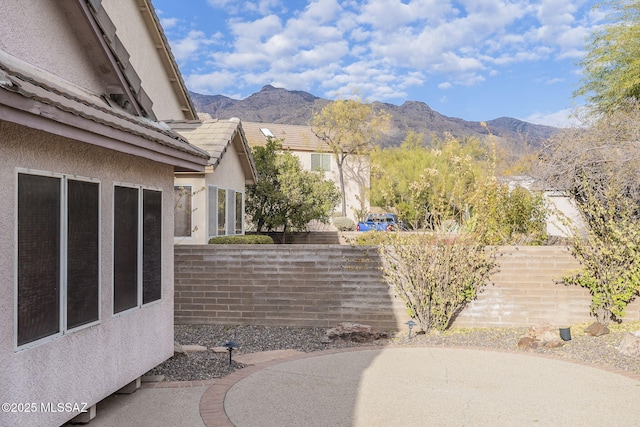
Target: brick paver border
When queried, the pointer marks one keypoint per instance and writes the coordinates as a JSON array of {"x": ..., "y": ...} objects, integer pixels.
[{"x": 212, "y": 401}]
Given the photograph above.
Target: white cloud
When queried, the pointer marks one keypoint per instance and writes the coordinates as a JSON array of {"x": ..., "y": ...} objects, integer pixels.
[
  {"x": 168, "y": 23},
  {"x": 563, "y": 118},
  {"x": 445, "y": 85},
  {"x": 210, "y": 83}
]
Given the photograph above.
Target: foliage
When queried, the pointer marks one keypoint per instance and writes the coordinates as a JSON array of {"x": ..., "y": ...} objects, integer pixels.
[
  {"x": 436, "y": 275},
  {"x": 609, "y": 252},
  {"x": 344, "y": 223},
  {"x": 502, "y": 217},
  {"x": 253, "y": 239},
  {"x": 348, "y": 127},
  {"x": 451, "y": 187},
  {"x": 611, "y": 66},
  {"x": 286, "y": 197},
  {"x": 590, "y": 159}
]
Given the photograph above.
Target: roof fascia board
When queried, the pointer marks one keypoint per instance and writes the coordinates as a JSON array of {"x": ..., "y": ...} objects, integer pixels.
[
  {"x": 105, "y": 36},
  {"x": 36, "y": 115}
]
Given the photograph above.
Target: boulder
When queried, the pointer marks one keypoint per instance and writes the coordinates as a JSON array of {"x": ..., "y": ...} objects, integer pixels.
[
  {"x": 630, "y": 344},
  {"x": 541, "y": 336},
  {"x": 597, "y": 329},
  {"x": 354, "y": 332}
]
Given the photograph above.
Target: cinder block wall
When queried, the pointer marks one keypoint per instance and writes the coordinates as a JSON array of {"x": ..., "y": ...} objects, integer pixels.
[
  {"x": 284, "y": 285},
  {"x": 323, "y": 285}
]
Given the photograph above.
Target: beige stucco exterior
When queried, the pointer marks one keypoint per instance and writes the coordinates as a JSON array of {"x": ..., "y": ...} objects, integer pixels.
[
  {"x": 301, "y": 142},
  {"x": 26, "y": 30},
  {"x": 60, "y": 115},
  {"x": 89, "y": 364},
  {"x": 231, "y": 168}
]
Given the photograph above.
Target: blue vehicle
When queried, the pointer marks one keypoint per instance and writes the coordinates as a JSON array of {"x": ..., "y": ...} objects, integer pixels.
[{"x": 380, "y": 222}]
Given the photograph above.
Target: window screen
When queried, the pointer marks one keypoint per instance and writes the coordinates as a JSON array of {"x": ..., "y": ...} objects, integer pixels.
[
  {"x": 182, "y": 211},
  {"x": 212, "y": 199},
  {"x": 38, "y": 257},
  {"x": 125, "y": 249},
  {"x": 231, "y": 212},
  {"x": 239, "y": 213},
  {"x": 151, "y": 245},
  {"x": 82, "y": 252},
  {"x": 222, "y": 211}
]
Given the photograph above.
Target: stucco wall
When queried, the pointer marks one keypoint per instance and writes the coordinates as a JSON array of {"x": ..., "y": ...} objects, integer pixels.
[
  {"x": 144, "y": 56},
  {"x": 228, "y": 175},
  {"x": 89, "y": 364},
  {"x": 356, "y": 177},
  {"x": 26, "y": 29}
]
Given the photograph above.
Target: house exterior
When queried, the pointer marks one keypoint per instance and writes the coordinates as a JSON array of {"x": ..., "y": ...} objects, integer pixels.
[
  {"x": 86, "y": 242},
  {"x": 211, "y": 204},
  {"x": 314, "y": 154}
]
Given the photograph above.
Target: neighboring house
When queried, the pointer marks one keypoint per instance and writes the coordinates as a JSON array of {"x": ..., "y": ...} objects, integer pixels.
[
  {"x": 87, "y": 169},
  {"x": 211, "y": 204},
  {"x": 561, "y": 209},
  {"x": 314, "y": 154}
]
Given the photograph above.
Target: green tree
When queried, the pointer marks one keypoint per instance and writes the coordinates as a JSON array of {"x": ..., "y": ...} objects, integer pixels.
[
  {"x": 286, "y": 197},
  {"x": 609, "y": 252},
  {"x": 612, "y": 63},
  {"x": 348, "y": 128}
]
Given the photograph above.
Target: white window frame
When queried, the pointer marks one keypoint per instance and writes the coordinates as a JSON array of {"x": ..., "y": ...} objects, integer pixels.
[
  {"x": 322, "y": 158},
  {"x": 139, "y": 281},
  {"x": 63, "y": 330}
]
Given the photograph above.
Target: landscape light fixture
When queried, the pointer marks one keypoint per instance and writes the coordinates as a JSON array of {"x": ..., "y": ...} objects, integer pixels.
[
  {"x": 230, "y": 345},
  {"x": 410, "y": 324}
]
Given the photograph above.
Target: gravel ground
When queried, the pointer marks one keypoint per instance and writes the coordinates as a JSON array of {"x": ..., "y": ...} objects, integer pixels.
[{"x": 208, "y": 365}]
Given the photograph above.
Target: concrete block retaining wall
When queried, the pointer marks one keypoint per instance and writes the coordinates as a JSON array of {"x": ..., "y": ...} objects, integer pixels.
[{"x": 324, "y": 285}]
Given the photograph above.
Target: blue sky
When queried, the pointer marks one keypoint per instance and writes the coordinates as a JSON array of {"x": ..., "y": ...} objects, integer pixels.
[{"x": 472, "y": 59}]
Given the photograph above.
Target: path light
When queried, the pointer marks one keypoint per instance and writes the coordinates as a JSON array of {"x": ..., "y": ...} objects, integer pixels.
[
  {"x": 410, "y": 324},
  {"x": 230, "y": 345}
]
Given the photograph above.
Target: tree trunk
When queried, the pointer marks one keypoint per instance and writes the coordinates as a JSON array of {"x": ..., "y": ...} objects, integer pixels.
[{"x": 340, "y": 163}]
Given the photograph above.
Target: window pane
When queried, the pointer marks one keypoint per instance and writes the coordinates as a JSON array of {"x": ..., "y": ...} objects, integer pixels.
[
  {"x": 222, "y": 211},
  {"x": 326, "y": 162},
  {"x": 125, "y": 249},
  {"x": 182, "y": 211},
  {"x": 316, "y": 162},
  {"x": 239, "y": 213},
  {"x": 38, "y": 257},
  {"x": 82, "y": 252},
  {"x": 231, "y": 212},
  {"x": 151, "y": 246},
  {"x": 213, "y": 211}
]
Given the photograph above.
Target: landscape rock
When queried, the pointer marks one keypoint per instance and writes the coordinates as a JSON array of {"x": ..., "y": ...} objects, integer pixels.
[
  {"x": 354, "y": 332},
  {"x": 541, "y": 336},
  {"x": 192, "y": 348},
  {"x": 597, "y": 329},
  {"x": 177, "y": 349},
  {"x": 630, "y": 344},
  {"x": 527, "y": 343}
]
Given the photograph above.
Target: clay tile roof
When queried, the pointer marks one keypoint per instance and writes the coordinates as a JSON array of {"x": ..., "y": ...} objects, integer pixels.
[
  {"x": 215, "y": 136},
  {"x": 53, "y": 98},
  {"x": 296, "y": 137}
]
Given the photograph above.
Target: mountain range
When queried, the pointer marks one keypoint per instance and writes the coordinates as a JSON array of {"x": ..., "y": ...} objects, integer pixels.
[{"x": 278, "y": 105}]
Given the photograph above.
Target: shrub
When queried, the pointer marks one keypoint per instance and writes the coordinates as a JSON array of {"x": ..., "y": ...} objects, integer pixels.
[
  {"x": 254, "y": 239},
  {"x": 609, "y": 252},
  {"x": 436, "y": 275},
  {"x": 344, "y": 223}
]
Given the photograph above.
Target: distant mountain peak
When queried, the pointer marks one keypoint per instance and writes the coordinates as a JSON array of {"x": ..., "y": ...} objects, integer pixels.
[{"x": 279, "y": 105}]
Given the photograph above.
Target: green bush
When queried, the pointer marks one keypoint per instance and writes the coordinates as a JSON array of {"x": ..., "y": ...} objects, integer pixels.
[
  {"x": 254, "y": 239},
  {"x": 343, "y": 223},
  {"x": 436, "y": 275}
]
